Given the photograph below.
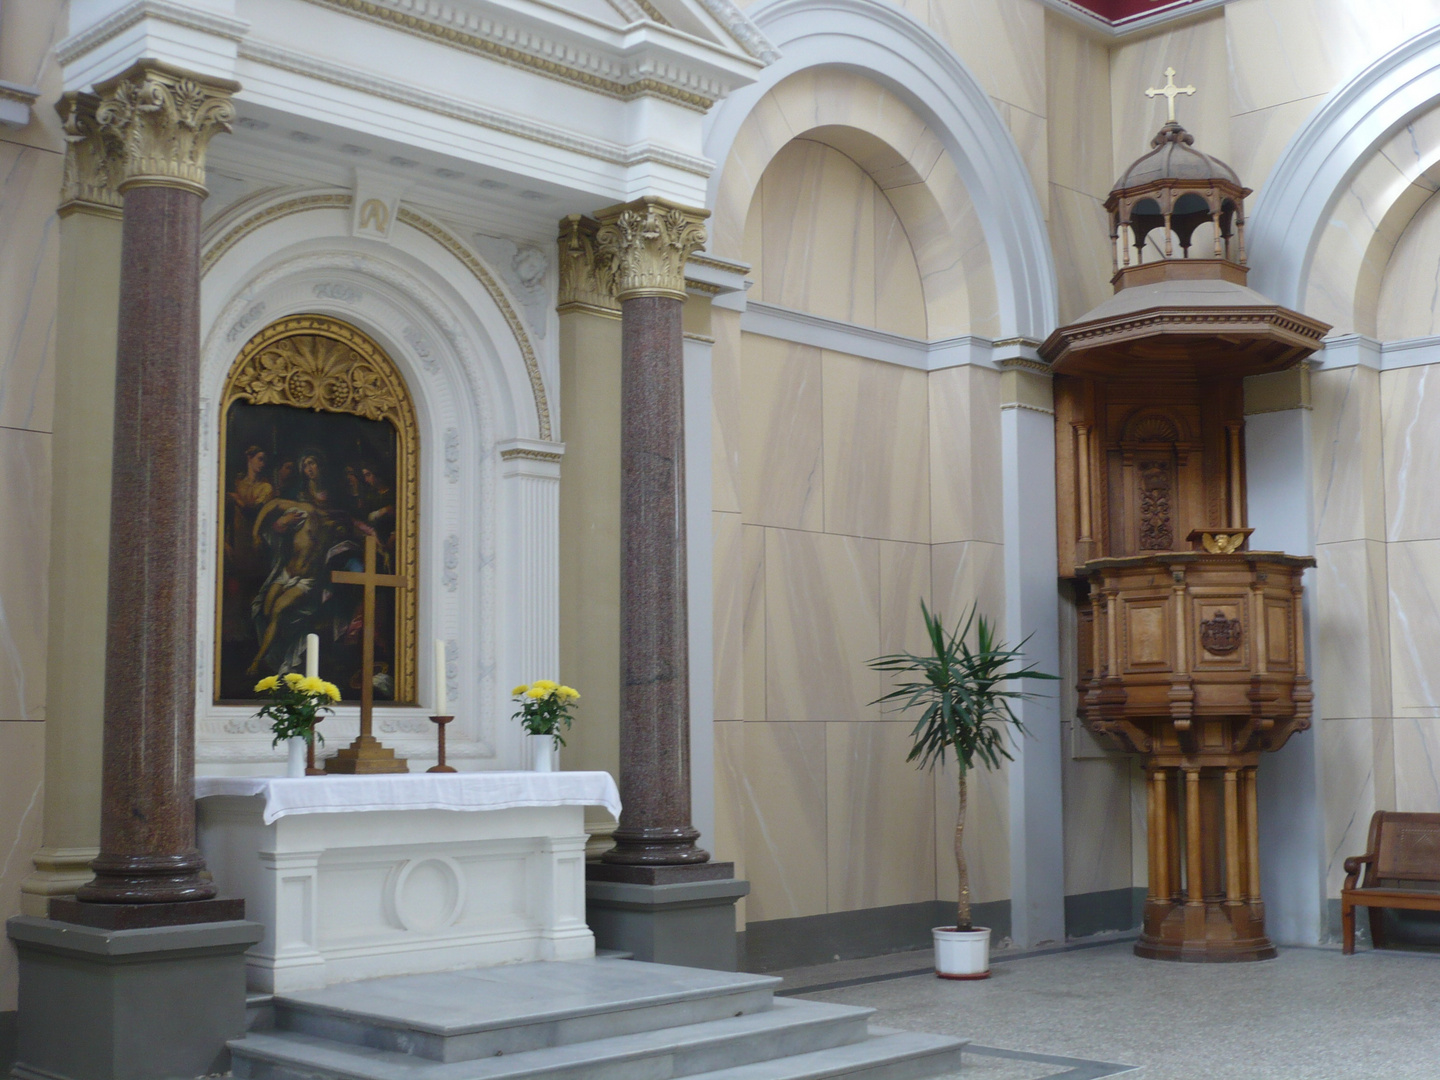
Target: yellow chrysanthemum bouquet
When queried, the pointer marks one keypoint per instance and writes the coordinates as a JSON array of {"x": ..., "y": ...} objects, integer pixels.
[
  {"x": 545, "y": 708},
  {"x": 295, "y": 705}
]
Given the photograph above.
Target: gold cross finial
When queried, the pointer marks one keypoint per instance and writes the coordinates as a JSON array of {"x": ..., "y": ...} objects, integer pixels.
[{"x": 1170, "y": 90}]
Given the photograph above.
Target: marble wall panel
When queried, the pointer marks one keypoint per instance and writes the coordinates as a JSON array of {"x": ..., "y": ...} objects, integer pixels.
[
  {"x": 881, "y": 818},
  {"x": 1077, "y": 106},
  {"x": 728, "y": 843},
  {"x": 1410, "y": 406},
  {"x": 822, "y": 623},
  {"x": 834, "y": 97},
  {"x": 752, "y": 565},
  {"x": 1350, "y": 628},
  {"x": 22, "y": 777},
  {"x": 818, "y": 234},
  {"x": 1031, "y": 135},
  {"x": 899, "y": 295},
  {"x": 1414, "y": 577},
  {"x": 971, "y": 572},
  {"x": 764, "y": 133},
  {"x": 726, "y": 426},
  {"x": 781, "y": 462},
  {"x": 987, "y": 832},
  {"x": 1407, "y": 304},
  {"x": 29, "y": 32},
  {"x": 942, "y": 239},
  {"x": 1080, "y": 231},
  {"x": 965, "y": 455},
  {"x": 904, "y": 582},
  {"x": 877, "y": 475},
  {"x": 783, "y": 789},
  {"x": 1259, "y": 137},
  {"x": 25, "y": 541},
  {"x": 1096, "y": 794},
  {"x": 961, "y": 243},
  {"x": 1349, "y": 476},
  {"x": 1417, "y": 763},
  {"x": 1197, "y": 51},
  {"x": 1356, "y": 778},
  {"x": 1282, "y": 50},
  {"x": 1000, "y": 43},
  {"x": 29, "y": 284},
  {"x": 728, "y": 571}
]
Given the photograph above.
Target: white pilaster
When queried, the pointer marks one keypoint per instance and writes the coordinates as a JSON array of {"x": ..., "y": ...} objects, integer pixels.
[
  {"x": 699, "y": 568},
  {"x": 1037, "y": 872},
  {"x": 527, "y": 556},
  {"x": 1292, "y": 837}
]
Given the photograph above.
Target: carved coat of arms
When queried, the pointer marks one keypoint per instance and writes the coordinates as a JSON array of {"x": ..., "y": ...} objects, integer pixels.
[{"x": 1220, "y": 635}]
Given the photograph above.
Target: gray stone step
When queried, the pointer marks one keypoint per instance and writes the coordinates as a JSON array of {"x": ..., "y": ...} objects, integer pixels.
[
  {"x": 886, "y": 1055},
  {"x": 785, "y": 1031},
  {"x": 478, "y": 1013}
]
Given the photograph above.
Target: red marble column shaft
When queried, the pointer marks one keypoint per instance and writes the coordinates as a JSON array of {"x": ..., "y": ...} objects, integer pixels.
[
  {"x": 147, "y": 832},
  {"x": 655, "y": 826}
]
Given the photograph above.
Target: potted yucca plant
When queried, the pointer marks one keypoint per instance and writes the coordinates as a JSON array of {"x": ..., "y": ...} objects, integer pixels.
[{"x": 964, "y": 694}]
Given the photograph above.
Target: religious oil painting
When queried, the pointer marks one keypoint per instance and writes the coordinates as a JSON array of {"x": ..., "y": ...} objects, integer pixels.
[{"x": 318, "y": 455}]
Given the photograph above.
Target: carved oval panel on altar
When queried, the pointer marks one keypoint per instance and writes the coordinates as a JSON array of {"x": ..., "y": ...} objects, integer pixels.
[{"x": 427, "y": 894}]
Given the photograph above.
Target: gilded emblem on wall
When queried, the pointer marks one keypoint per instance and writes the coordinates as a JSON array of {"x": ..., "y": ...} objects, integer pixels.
[{"x": 1220, "y": 635}]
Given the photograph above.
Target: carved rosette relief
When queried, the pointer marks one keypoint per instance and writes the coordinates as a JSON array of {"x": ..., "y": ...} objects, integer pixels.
[
  {"x": 647, "y": 243},
  {"x": 164, "y": 119},
  {"x": 93, "y": 158}
]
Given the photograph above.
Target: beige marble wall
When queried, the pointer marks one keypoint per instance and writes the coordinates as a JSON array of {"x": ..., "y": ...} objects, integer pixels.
[{"x": 22, "y": 779}]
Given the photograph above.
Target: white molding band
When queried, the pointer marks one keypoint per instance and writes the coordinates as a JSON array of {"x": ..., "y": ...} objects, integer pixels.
[
  {"x": 1322, "y": 158},
  {"x": 890, "y": 46},
  {"x": 836, "y": 335},
  {"x": 1133, "y": 24},
  {"x": 1357, "y": 350}
]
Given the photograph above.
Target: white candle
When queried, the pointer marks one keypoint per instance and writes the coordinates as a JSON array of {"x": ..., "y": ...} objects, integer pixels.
[
  {"x": 440, "y": 702},
  {"x": 312, "y": 656}
]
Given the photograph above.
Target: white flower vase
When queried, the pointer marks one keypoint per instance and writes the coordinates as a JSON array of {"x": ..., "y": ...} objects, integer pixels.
[
  {"x": 542, "y": 753},
  {"x": 962, "y": 954},
  {"x": 295, "y": 756}
]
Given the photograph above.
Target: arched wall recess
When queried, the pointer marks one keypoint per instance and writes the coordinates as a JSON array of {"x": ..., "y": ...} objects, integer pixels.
[{"x": 885, "y": 44}]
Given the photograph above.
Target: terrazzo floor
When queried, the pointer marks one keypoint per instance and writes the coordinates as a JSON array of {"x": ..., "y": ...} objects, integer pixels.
[{"x": 1086, "y": 1013}]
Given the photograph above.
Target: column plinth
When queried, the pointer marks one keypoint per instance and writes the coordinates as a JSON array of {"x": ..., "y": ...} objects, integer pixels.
[{"x": 164, "y": 119}]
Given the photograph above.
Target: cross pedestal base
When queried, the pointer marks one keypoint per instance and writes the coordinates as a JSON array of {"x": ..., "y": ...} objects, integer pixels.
[{"x": 366, "y": 755}]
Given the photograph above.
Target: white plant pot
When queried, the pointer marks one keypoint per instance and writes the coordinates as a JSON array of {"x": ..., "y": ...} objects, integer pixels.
[
  {"x": 542, "y": 753},
  {"x": 962, "y": 954},
  {"x": 295, "y": 756}
]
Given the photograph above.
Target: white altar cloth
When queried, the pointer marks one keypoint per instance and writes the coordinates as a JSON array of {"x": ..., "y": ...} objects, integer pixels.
[
  {"x": 359, "y": 877},
  {"x": 417, "y": 791}
]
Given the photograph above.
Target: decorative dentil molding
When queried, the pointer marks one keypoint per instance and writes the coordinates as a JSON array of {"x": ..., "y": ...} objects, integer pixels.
[
  {"x": 164, "y": 118},
  {"x": 648, "y": 242},
  {"x": 93, "y": 158},
  {"x": 587, "y": 275}
]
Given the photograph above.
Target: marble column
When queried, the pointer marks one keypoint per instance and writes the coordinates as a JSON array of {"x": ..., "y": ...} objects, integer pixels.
[
  {"x": 79, "y": 547},
  {"x": 648, "y": 243},
  {"x": 164, "y": 118}
]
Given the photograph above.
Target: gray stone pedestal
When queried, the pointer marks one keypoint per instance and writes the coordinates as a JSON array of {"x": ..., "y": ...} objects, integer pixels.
[
  {"x": 687, "y": 923},
  {"x": 148, "y": 1004}
]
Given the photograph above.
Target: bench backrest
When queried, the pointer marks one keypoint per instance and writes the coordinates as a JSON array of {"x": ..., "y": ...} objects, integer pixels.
[{"x": 1406, "y": 846}]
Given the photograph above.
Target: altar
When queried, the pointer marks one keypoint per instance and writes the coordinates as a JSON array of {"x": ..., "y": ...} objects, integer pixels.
[{"x": 361, "y": 876}]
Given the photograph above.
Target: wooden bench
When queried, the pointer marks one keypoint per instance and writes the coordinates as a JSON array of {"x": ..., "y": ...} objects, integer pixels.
[{"x": 1403, "y": 853}]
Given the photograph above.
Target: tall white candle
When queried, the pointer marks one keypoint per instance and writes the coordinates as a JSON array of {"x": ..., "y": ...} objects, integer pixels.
[
  {"x": 440, "y": 701},
  {"x": 312, "y": 656}
]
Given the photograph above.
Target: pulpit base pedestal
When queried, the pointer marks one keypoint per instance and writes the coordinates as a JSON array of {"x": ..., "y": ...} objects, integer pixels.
[{"x": 1215, "y": 932}]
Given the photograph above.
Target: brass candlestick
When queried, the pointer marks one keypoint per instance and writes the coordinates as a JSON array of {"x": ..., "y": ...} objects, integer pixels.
[{"x": 440, "y": 766}]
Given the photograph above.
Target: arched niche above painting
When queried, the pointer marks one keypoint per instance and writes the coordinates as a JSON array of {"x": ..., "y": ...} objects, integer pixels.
[{"x": 319, "y": 449}]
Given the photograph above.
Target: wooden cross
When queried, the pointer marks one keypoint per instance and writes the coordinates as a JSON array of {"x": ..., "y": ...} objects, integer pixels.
[
  {"x": 1170, "y": 90},
  {"x": 365, "y": 754}
]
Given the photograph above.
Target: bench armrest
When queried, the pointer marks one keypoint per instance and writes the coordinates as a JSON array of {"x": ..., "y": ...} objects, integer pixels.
[{"x": 1352, "y": 867}]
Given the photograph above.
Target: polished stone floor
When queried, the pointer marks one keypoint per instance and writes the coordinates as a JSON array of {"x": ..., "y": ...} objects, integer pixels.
[{"x": 1086, "y": 1013}]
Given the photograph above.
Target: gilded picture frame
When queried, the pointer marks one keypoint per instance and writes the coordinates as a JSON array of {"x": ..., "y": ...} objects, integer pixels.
[{"x": 318, "y": 366}]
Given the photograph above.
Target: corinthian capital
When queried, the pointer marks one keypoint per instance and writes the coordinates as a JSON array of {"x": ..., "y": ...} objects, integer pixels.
[
  {"x": 648, "y": 242},
  {"x": 164, "y": 118},
  {"x": 92, "y": 158},
  {"x": 587, "y": 275}
]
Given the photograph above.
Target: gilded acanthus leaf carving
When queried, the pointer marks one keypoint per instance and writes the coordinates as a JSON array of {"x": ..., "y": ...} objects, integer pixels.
[
  {"x": 93, "y": 156},
  {"x": 313, "y": 372},
  {"x": 648, "y": 243},
  {"x": 164, "y": 120},
  {"x": 587, "y": 275}
]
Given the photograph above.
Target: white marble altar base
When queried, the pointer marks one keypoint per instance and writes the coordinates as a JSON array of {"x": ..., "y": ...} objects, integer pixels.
[{"x": 356, "y": 895}]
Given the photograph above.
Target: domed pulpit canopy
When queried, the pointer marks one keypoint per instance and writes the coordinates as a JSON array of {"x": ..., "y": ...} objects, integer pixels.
[{"x": 1177, "y": 240}]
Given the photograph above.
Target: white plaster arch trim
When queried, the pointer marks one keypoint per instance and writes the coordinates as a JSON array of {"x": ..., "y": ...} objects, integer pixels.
[
  {"x": 891, "y": 47},
  {"x": 1326, "y": 154},
  {"x": 472, "y": 396}
]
